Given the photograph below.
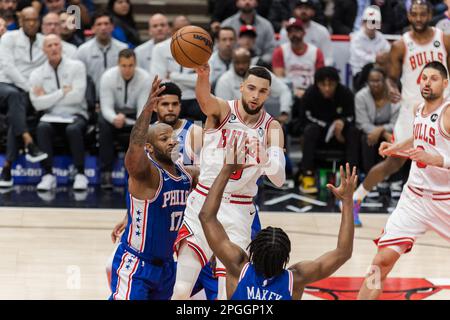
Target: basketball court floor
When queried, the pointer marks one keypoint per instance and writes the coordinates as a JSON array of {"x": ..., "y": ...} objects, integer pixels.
[{"x": 61, "y": 253}]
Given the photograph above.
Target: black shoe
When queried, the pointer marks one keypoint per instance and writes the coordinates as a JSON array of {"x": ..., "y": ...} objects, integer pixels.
[
  {"x": 106, "y": 182},
  {"x": 34, "y": 154},
  {"x": 6, "y": 180}
]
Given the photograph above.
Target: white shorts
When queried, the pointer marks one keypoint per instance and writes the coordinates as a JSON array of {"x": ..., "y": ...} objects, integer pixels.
[
  {"x": 236, "y": 213},
  {"x": 403, "y": 128},
  {"x": 415, "y": 214}
]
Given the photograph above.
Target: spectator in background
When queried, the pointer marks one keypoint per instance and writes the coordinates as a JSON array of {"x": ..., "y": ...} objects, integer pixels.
[
  {"x": 164, "y": 65},
  {"x": 2, "y": 27},
  {"x": 8, "y": 12},
  {"x": 124, "y": 25},
  {"x": 265, "y": 40},
  {"x": 229, "y": 84},
  {"x": 20, "y": 54},
  {"x": 100, "y": 53},
  {"x": 375, "y": 116},
  {"x": 220, "y": 60},
  {"x": 247, "y": 40},
  {"x": 58, "y": 88},
  {"x": 123, "y": 93},
  {"x": 158, "y": 30},
  {"x": 69, "y": 32},
  {"x": 329, "y": 110},
  {"x": 444, "y": 21},
  {"x": 297, "y": 61},
  {"x": 58, "y": 6},
  {"x": 367, "y": 45},
  {"x": 315, "y": 33},
  {"x": 51, "y": 24}
]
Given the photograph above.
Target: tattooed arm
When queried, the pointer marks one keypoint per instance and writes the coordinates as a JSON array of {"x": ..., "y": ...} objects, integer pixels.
[{"x": 136, "y": 162}]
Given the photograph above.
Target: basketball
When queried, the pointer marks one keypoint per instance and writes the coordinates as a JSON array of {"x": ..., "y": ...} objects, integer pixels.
[{"x": 191, "y": 46}]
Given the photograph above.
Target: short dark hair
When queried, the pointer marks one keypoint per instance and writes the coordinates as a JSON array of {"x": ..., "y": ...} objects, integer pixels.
[
  {"x": 422, "y": 3},
  {"x": 170, "y": 88},
  {"x": 269, "y": 252},
  {"x": 99, "y": 14},
  {"x": 379, "y": 70},
  {"x": 226, "y": 29},
  {"x": 259, "y": 72},
  {"x": 436, "y": 65},
  {"x": 325, "y": 73},
  {"x": 127, "y": 53}
]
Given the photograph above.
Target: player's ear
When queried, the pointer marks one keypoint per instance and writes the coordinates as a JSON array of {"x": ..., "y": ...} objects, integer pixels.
[{"x": 241, "y": 87}]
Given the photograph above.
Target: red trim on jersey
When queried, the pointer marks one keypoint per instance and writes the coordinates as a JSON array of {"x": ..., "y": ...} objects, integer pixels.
[
  {"x": 131, "y": 224},
  {"x": 221, "y": 124},
  {"x": 199, "y": 252},
  {"x": 395, "y": 242},
  {"x": 416, "y": 193},
  {"x": 220, "y": 272},
  {"x": 233, "y": 195},
  {"x": 231, "y": 201},
  {"x": 340, "y": 37},
  {"x": 183, "y": 233},
  {"x": 437, "y": 196},
  {"x": 408, "y": 249}
]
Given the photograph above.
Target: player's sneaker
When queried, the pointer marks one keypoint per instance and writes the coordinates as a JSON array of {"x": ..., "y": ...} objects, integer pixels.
[
  {"x": 81, "y": 182},
  {"x": 34, "y": 154},
  {"x": 6, "y": 180},
  {"x": 48, "y": 182},
  {"x": 308, "y": 184}
]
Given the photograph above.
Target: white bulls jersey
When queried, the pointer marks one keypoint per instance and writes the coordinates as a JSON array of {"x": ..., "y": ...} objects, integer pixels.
[
  {"x": 430, "y": 135},
  {"x": 416, "y": 57},
  {"x": 213, "y": 151},
  {"x": 300, "y": 69}
]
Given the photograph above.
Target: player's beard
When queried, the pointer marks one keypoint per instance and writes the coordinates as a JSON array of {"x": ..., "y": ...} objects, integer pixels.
[
  {"x": 420, "y": 30},
  {"x": 170, "y": 122},
  {"x": 431, "y": 96},
  {"x": 250, "y": 111},
  {"x": 163, "y": 156}
]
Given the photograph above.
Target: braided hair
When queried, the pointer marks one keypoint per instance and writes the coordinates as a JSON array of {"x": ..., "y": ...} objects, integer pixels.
[{"x": 269, "y": 252}]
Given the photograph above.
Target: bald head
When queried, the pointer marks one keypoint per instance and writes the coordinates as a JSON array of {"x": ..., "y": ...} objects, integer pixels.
[
  {"x": 53, "y": 49},
  {"x": 180, "y": 22},
  {"x": 158, "y": 27},
  {"x": 241, "y": 61},
  {"x": 157, "y": 129},
  {"x": 162, "y": 143},
  {"x": 30, "y": 21}
]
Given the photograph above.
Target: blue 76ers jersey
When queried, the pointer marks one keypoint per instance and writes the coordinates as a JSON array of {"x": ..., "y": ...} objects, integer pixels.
[
  {"x": 182, "y": 137},
  {"x": 252, "y": 286},
  {"x": 153, "y": 223}
]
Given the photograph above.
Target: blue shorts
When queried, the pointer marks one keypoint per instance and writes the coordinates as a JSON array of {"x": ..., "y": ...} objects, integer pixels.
[
  {"x": 135, "y": 279},
  {"x": 207, "y": 281}
]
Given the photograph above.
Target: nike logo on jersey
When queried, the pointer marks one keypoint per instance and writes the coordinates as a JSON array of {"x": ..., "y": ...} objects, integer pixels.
[{"x": 252, "y": 213}]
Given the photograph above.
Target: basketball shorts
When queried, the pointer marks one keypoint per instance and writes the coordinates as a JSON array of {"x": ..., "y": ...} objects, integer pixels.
[
  {"x": 416, "y": 213},
  {"x": 135, "y": 279},
  {"x": 235, "y": 213},
  {"x": 207, "y": 281}
]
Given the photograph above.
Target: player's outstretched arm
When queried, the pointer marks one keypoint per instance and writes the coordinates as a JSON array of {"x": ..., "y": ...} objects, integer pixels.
[
  {"x": 324, "y": 266},
  {"x": 231, "y": 255},
  {"x": 210, "y": 105},
  {"x": 395, "y": 69},
  {"x": 135, "y": 159}
]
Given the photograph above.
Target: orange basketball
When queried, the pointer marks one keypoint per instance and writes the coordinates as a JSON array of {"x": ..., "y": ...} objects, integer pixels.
[{"x": 191, "y": 46}]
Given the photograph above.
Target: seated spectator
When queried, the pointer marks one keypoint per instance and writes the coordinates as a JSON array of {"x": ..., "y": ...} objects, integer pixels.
[
  {"x": 86, "y": 9},
  {"x": 124, "y": 25},
  {"x": 51, "y": 24},
  {"x": 8, "y": 10},
  {"x": 247, "y": 40},
  {"x": 375, "y": 117},
  {"x": 165, "y": 67},
  {"x": 220, "y": 60},
  {"x": 297, "y": 61},
  {"x": 229, "y": 84},
  {"x": 158, "y": 30},
  {"x": 101, "y": 52},
  {"x": 328, "y": 110},
  {"x": 444, "y": 20},
  {"x": 20, "y": 53},
  {"x": 58, "y": 88},
  {"x": 367, "y": 45},
  {"x": 315, "y": 33},
  {"x": 124, "y": 91},
  {"x": 68, "y": 30},
  {"x": 265, "y": 40}
]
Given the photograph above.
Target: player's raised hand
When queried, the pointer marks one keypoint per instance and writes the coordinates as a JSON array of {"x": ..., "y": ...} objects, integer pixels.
[
  {"x": 203, "y": 70},
  {"x": 349, "y": 179},
  {"x": 153, "y": 97}
]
